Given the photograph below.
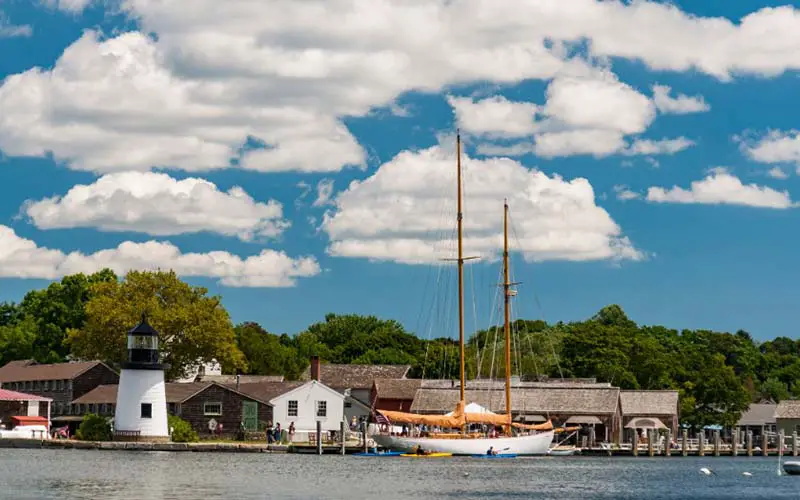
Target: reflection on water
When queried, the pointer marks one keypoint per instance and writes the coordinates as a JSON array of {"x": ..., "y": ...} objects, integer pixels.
[{"x": 76, "y": 474}]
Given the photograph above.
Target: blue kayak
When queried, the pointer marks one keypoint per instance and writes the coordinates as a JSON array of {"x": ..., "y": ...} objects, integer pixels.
[
  {"x": 380, "y": 454},
  {"x": 499, "y": 455}
]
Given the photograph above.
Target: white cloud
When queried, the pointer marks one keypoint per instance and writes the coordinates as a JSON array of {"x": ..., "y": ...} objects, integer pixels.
[
  {"x": 680, "y": 105},
  {"x": 22, "y": 258},
  {"x": 157, "y": 204},
  {"x": 660, "y": 147},
  {"x": 777, "y": 173},
  {"x": 324, "y": 192},
  {"x": 624, "y": 193},
  {"x": 517, "y": 149},
  {"x": 10, "y": 30},
  {"x": 722, "y": 188},
  {"x": 774, "y": 147},
  {"x": 73, "y": 6},
  {"x": 494, "y": 116},
  {"x": 406, "y": 208},
  {"x": 579, "y": 142}
]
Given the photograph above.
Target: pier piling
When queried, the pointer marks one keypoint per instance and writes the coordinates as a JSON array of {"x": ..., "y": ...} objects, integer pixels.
[
  {"x": 685, "y": 443},
  {"x": 319, "y": 437},
  {"x": 364, "y": 433},
  {"x": 635, "y": 444},
  {"x": 764, "y": 443},
  {"x": 651, "y": 435},
  {"x": 668, "y": 448},
  {"x": 701, "y": 444},
  {"x": 749, "y": 439},
  {"x": 781, "y": 440},
  {"x": 735, "y": 443},
  {"x": 343, "y": 435},
  {"x": 794, "y": 444},
  {"x": 716, "y": 443}
]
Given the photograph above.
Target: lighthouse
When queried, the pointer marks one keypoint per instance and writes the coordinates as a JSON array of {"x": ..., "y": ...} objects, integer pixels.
[{"x": 141, "y": 410}]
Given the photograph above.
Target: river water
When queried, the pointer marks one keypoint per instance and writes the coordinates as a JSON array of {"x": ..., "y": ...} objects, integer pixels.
[{"x": 77, "y": 474}]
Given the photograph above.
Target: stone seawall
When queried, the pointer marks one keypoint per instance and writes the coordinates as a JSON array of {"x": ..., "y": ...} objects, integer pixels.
[{"x": 68, "y": 444}]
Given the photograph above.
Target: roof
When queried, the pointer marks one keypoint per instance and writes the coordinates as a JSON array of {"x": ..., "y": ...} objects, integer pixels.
[
  {"x": 788, "y": 409},
  {"x": 143, "y": 328},
  {"x": 501, "y": 383},
  {"x": 355, "y": 376},
  {"x": 6, "y": 395},
  {"x": 569, "y": 400},
  {"x": 312, "y": 383},
  {"x": 175, "y": 392},
  {"x": 649, "y": 403},
  {"x": 266, "y": 391},
  {"x": 391, "y": 388},
  {"x": 758, "y": 414},
  {"x": 18, "y": 372},
  {"x": 243, "y": 379}
]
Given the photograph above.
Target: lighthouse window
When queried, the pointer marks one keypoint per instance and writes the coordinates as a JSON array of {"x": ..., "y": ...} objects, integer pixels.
[
  {"x": 212, "y": 409},
  {"x": 292, "y": 408},
  {"x": 147, "y": 410},
  {"x": 142, "y": 342}
]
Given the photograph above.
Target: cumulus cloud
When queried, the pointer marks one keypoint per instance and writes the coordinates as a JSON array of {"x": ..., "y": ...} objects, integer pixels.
[
  {"x": 774, "y": 147},
  {"x": 777, "y": 173},
  {"x": 157, "y": 204},
  {"x": 679, "y": 105},
  {"x": 22, "y": 258},
  {"x": 722, "y": 188},
  {"x": 73, "y": 6},
  {"x": 494, "y": 116},
  {"x": 625, "y": 194},
  {"x": 663, "y": 146},
  {"x": 10, "y": 30},
  {"x": 403, "y": 212},
  {"x": 324, "y": 192}
]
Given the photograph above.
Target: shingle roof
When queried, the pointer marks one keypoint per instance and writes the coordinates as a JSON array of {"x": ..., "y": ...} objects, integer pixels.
[
  {"x": 355, "y": 376},
  {"x": 649, "y": 403},
  {"x": 175, "y": 393},
  {"x": 501, "y": 384},
  {"x": 265, "y": 391},
  {"x": 392, "y": 388},
  {"x": 758, "y": 414},
  {"x": 19, "y": 372},
  {"x": 6, "y": 395},
  {"x": 243, "y": 379},
  {"x": 569, "y": 400},
  {"x": 788, "y": 409}
]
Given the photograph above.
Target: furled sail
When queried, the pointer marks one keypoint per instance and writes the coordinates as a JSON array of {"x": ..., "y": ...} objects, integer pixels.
[{"x": 458, "y": 419}]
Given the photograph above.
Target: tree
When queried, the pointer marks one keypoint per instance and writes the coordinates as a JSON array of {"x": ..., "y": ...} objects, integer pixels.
[
  {"x": 181, "y": 431},
  {"x": 774, "y": 389},
  {"x": 192, "y": 326},
  {"x": 94, "y": 428},
  {"x": 17, "y": 340},
  {"x": 265, "y": 354}
]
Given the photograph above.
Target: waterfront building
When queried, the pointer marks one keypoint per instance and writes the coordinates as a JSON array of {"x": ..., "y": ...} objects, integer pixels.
[
  {"x": 394, "y": 394},
  {"x": 61, "y": 382},
  {"x": 141, "y": 404},
  {"x": 758, "y": 419},
  {"x": 24, "y": 409},
  {"x": 353, "y": 381},
  {"x": 787, "y": 416},
  {"x": 647, "y": 410},
  {"x": 212, "y": 409}
]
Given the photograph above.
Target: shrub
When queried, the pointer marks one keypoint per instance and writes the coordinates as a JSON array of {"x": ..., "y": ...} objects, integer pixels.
[
  {"x": 94, "y": 428},
  {"x": 181, "y": 430}
]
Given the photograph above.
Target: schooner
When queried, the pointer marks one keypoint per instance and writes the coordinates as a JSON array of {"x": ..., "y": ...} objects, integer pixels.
[{"x": 529, "y": 440}]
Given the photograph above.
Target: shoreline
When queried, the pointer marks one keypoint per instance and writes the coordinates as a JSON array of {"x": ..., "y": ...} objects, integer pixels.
[{"x": 69, "y": 444}]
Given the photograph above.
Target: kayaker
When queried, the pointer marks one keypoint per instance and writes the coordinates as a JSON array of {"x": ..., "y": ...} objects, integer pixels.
[
  {"x": 420, "y": 451},
  {"x": 491, "y": 451}
]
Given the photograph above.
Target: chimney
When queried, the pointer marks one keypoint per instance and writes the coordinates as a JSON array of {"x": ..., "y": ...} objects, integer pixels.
[{"x": 315, "y": 368}]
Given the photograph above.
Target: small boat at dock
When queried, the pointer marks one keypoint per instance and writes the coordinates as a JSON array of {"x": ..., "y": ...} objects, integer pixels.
[
  {"x": 791, "y": 468},
  {"x": 563, "y": 451}
]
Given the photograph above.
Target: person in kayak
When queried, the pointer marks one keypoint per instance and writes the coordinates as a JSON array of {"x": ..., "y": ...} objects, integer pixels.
[
  {"x": 491, "y": 451},
  {"x": 420, "y": 451}
]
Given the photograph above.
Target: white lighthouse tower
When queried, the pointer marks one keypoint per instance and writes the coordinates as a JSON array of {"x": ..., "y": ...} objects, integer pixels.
[{"x": 141, "y": 410}]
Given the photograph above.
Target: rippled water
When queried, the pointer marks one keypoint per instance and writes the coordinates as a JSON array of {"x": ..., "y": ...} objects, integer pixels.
[{"x": 74, "y": 474}]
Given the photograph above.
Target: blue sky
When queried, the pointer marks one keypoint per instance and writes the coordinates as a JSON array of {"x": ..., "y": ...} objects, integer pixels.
[{"x": 648, "y": 151}]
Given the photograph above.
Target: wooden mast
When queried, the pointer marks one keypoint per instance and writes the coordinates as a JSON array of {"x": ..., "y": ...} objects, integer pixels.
[
  {"x": 460, "y": 268},
  {"x": 506, "y": 324}
]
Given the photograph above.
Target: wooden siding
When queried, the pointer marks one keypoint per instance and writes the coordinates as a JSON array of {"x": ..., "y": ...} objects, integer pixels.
[
  {"x": 192, "y": 410},
  {"x": 88, "y": 380}
]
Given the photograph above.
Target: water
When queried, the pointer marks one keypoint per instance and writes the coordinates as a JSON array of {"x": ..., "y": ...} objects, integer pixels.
[{"x": 74, "y": 474}]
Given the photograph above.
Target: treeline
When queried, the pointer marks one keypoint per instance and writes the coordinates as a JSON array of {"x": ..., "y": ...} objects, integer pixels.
[{"x": 86, "y": 317}]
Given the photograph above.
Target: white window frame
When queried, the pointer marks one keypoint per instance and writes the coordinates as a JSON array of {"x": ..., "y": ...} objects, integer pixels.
[
  {"x": 296, "y": 408},
  {"x": 207, "y": 413},
  {"x": 321, "y": 404}
]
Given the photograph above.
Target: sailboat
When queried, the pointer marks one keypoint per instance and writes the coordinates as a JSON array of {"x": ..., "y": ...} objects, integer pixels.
[{"x": 529, "y": 439}]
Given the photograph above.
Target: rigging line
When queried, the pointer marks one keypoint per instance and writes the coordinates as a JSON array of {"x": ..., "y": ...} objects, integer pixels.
[
  {"x": 548, "y": 338},
  {"x": 494, "y": 309}
]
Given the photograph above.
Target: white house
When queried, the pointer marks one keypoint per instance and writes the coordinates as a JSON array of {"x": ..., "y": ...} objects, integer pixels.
[{"x": 305, "y": 405}]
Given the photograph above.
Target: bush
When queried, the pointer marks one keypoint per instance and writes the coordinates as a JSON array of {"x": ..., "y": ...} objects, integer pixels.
[
  {"x": 94, "y": 428},
  {"x": 181, "y": 430}
]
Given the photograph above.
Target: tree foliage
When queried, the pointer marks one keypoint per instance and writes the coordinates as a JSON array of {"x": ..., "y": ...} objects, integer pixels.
[
  {"x": 181, "y": 431},
  {"x": 192, "y": 326},
  {"x": 94, "y": 428}
]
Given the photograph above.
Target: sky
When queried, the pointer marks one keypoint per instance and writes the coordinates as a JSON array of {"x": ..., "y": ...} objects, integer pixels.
[{"x": 299, "y": 157}]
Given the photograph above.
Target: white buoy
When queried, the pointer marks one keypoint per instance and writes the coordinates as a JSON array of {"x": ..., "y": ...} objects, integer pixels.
[
  {"x": 466, "y": 474},
  {"x": 706, "y": 471},
  {"x": 747, "y": 474}
]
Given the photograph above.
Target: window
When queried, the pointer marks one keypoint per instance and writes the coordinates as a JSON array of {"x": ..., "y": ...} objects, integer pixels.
[
  {"x": 348, "y": 404},
  {"x": 322, "y": 409},
  {"x": 292, "y": 408},
  {"x": 172, "y": 408},
  {"x": 103, "y": 409},
  {"x": 46, "y": 385},
  {"x": 143, "y": 342},
  {"x": 212, "y": 409},
  {"x": 147, "y": 410}
]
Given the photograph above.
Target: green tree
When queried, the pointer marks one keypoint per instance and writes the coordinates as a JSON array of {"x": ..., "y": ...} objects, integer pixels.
[
  {"x": 774, "y": 389},
  {"x": 266, "y": 354},
  {"x": 94, "y": 428},
  {"x": 181, "y": 431},
  {"x": 192, "y": 326},
  {"x": 17, "y": 340}
]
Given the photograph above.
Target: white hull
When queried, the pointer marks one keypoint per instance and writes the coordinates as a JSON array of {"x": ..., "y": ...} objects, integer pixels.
[{"x": 536, "y": 444}]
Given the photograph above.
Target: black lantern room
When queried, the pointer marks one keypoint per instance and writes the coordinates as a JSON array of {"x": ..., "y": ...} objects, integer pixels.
[{"x": 143, "y": 347}]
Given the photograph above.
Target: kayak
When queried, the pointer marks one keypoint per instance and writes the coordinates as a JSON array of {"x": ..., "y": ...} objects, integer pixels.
[
  {"x": 429, "y": 455},
  {"x": 379, "y": 454},
  {"x": 499, "y": 455}
]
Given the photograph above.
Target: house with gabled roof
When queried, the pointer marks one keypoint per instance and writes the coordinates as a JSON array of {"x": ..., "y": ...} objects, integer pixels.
[
  {"x": 660, "y": 405},
  {"x": 205, "y": 405}
]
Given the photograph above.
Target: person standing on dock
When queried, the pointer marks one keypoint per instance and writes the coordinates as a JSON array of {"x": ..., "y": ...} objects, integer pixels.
[
  {"x": 291, "y": 432},
  {"x": 270, "y": 436}
]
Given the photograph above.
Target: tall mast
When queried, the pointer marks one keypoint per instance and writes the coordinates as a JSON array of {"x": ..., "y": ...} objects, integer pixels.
[
  {"x": 507, "y": 325},
  {"x": 460, "y": 268}
]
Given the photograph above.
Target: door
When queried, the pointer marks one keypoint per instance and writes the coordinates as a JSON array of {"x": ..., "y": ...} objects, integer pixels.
[{"x": 250, "y": 415}]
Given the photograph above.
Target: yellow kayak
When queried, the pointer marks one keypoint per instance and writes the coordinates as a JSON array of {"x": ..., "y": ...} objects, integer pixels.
[{"x": 429, "y": 455}]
